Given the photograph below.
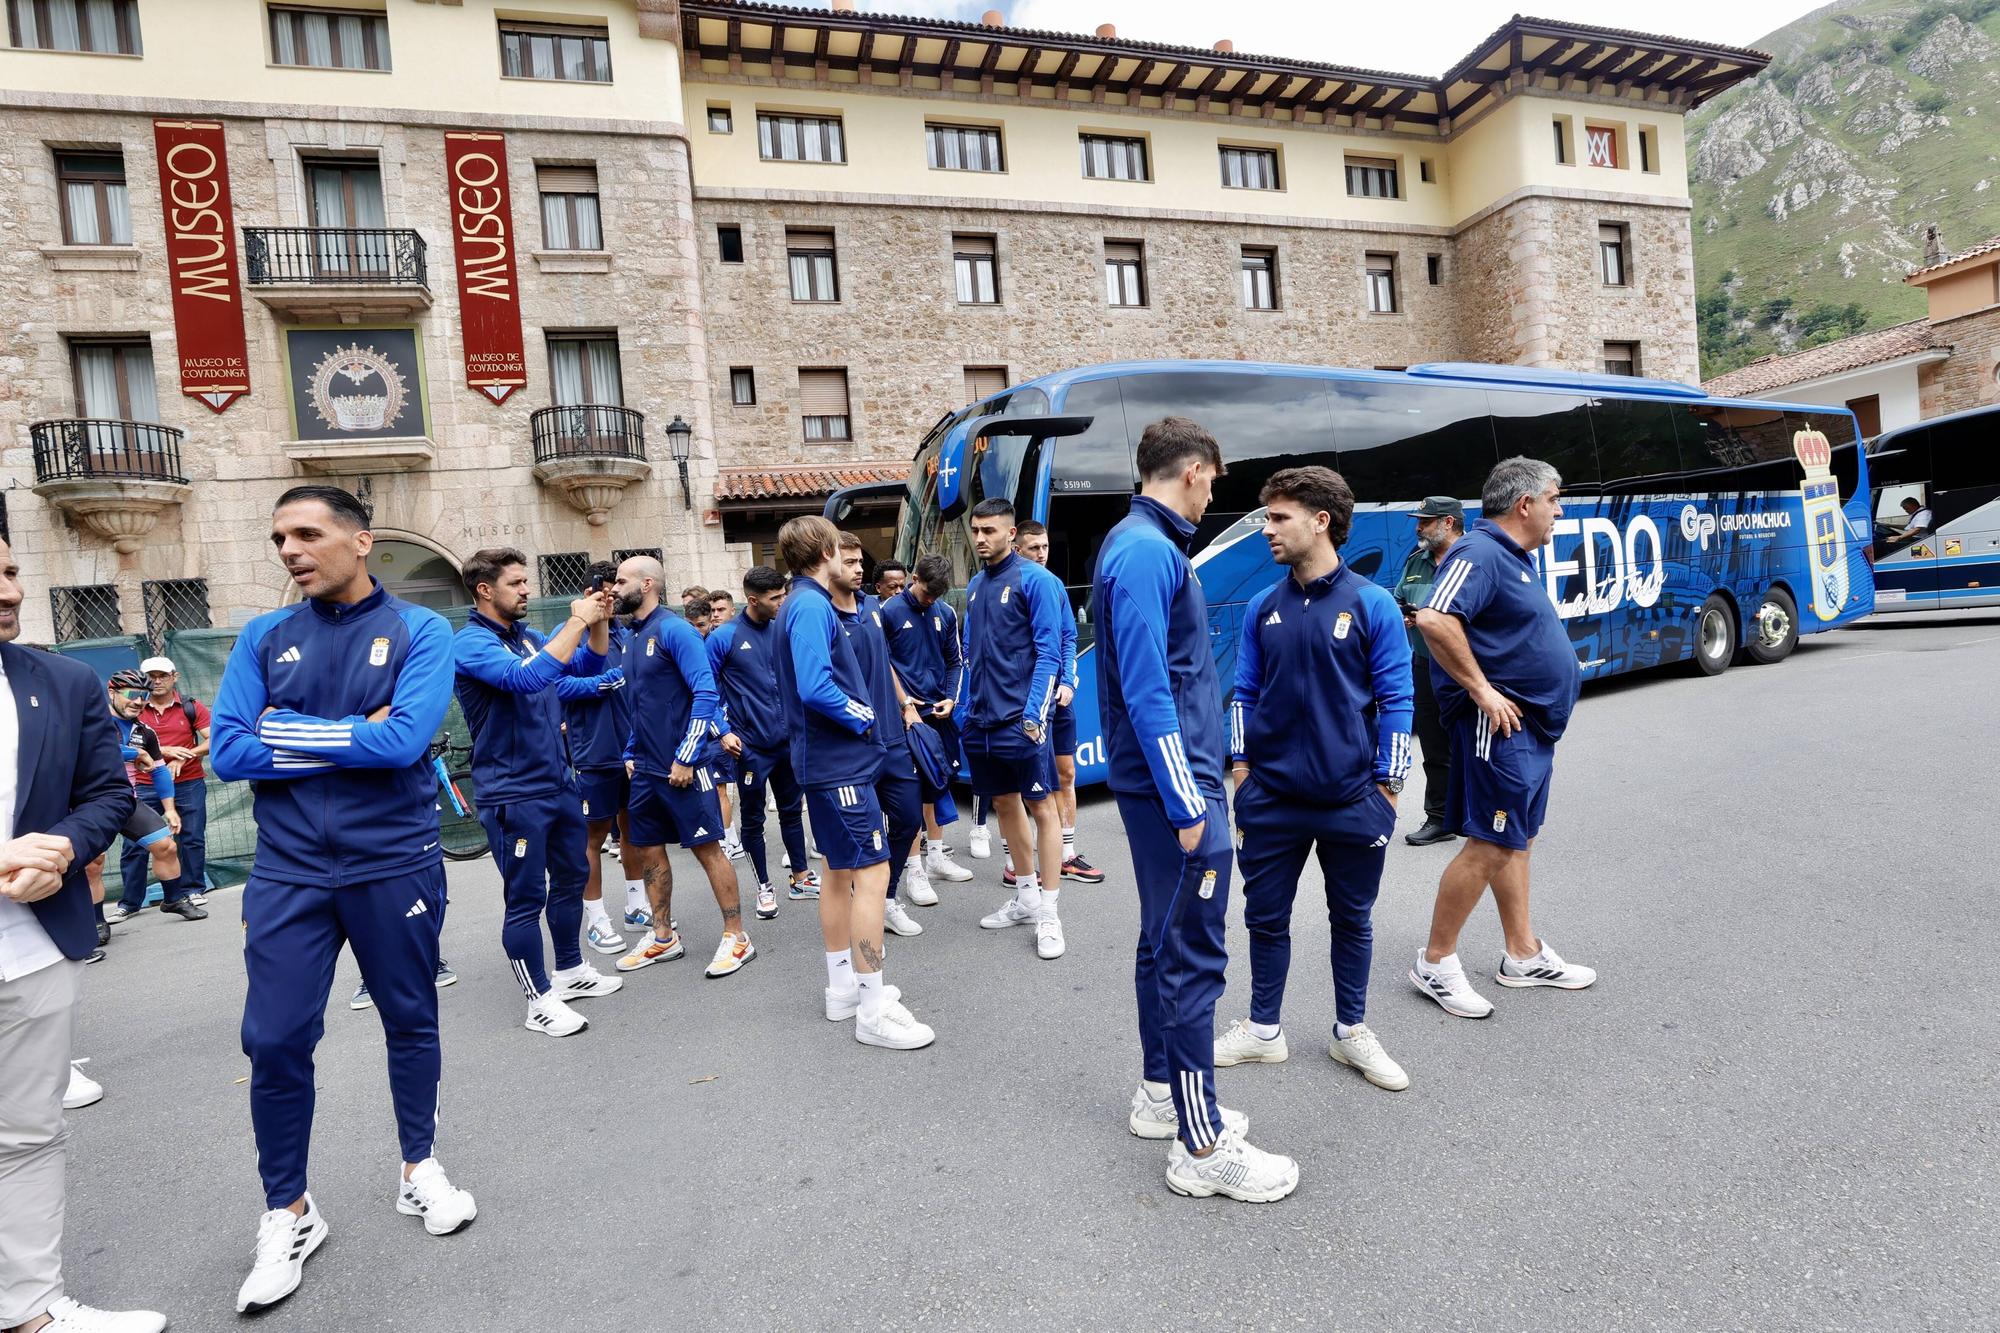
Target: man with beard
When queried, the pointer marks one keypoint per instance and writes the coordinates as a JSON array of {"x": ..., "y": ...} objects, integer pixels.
[
  {"x": 1440, "y": 523},
  {"x": 597, "y": 719}
]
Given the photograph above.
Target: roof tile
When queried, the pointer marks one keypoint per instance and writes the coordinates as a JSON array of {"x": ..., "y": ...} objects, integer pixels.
[
  {"x": 739, "y": 484},
  {"x": 1987, "y": 246},
  {"x": 1850, "y": 353}
]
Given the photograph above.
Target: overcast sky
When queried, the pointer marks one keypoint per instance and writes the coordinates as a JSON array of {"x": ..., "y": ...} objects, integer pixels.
[{"x": 1424, "y": 37}]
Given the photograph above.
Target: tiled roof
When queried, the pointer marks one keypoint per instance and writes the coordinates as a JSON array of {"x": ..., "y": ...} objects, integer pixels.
[
  {"x": 1985, "y": 247},
  {"x": 1851, "y": 353},
  {"x": 738, "y": 484}
]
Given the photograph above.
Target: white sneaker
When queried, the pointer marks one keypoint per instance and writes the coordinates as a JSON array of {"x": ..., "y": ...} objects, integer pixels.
[
  {"x": 198, "y": 898},
  {"x": 732, "y": 848},
  {"x": 582, "y": 982},
  {"x": 1155, "y": 1117},
  {"x": 640, "y": 917},
  {"x": 897, "y": 918},
  {"x": 894, "y": 1028},
  {"x": 1445, "y": 983},
  {"x": 427, "y": 1194},
  {"x": 767, "y": 903},
  {"x": 1011, "y": 913},
  {"x": 979, "y": 842},
  {"x": 115, "y": 912},
  {"x": 604, "y": 937},
  {"x": 1545, "y": 969},
  {"x": 917, "y": 885},
  {"x": 83, "y": 1090},
  {"x": 1049, "y": 942},
  {"x": 284, "y": 1242},
  {"x": 939, "y": 865},
  {"x": 1363, "y": 1051},
  {"x": 1241, "y": 1046},
  {"x": 842, "y": 1005},
  {"x": 67, "y": 1316},
  {"x": 805, "y": 888},
  {"x": 735, "y": 953},
  {"x": 549, "y": 1015},
  {"x": 1235, "y": 1170}
]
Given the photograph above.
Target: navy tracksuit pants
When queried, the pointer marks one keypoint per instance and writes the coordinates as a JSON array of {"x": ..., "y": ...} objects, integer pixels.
[
  {"x": 540, "y": 846},
  {"x": 901, "y": 797},
  {"x": 291, "y": 935},
  {"x": 1183, "y": 904},
  {"x": 756, "y": 769},
  {"x": 1276, "y": 836}
]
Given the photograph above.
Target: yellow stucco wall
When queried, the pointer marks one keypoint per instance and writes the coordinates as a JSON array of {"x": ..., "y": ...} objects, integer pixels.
[
  {"x": 1961, "y": 293},
  {"x": 1513, "y": 146}
]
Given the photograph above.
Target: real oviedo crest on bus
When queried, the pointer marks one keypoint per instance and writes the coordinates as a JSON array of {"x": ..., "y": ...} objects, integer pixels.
[{"x": 1826, "y": 530}]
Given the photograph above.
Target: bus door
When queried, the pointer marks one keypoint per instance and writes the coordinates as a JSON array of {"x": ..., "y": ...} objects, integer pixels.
[
  {"x": 1906, "y": 561},
  {"x": 1965, "y": 502}
]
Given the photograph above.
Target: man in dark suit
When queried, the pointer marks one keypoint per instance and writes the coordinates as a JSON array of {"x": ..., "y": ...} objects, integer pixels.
[{"x": 63, "y": 796}]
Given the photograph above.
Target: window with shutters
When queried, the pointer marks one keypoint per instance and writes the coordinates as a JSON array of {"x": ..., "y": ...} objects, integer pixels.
[
  {"x": 1373, "y": 178},
  {"x": 562, "y": 574},
  {"x": 1125, "y": 273},
  {"x": 729, "y": 242},
  {"x": 88, "y": 612},
  {"x": 1109, "y": 158},
  {"x": 329, "y": 38},
  {"x": 1381, "y": 270},
  {"x": 173, "y": 604},
  {"x": 782, "y": 138},
  {"x": 95, "y": 207},
  {"x": 810, "y": 255},
  {"x": 1621, "y": 358},
  {"x": 570, "y": 218},
  {"x": 721, "y": 120},
  {"x": 975, "y": 269},
  {"x": 1613, "y": 267},
  {"x": 1249, "y": 168},
  {"x": 823, "y": 405},
  {"x": 1259, "y": 269},
  {"x": 101, "y": 27},
  {"x": 562, "y": 52},
  {"x": 984, "y": 382},
  {"x": 742, "y": 386},
  {"x": 962, "y": 148}
]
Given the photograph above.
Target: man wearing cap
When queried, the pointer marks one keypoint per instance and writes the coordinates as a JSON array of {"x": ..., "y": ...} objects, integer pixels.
[
  {"x": 182, "y": 727},
  {"x": 1440, "y": 522}
]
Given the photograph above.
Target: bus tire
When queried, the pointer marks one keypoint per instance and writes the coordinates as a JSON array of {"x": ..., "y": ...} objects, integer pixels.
[
  {"x": 1775, "y": 631},
  {"x": 1714, "y": 636}
]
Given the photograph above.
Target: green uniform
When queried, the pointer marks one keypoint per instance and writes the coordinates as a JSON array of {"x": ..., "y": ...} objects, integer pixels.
[{"x": 1419, "y": 573}]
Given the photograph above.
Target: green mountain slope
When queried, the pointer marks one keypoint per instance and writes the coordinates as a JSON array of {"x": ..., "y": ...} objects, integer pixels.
[{"x": 1813, "y": 183}]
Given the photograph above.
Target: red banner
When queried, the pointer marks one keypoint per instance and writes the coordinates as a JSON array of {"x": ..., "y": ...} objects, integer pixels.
[
  {"x": 482, "y": 234},
  {"x": 201, "y": 260}
]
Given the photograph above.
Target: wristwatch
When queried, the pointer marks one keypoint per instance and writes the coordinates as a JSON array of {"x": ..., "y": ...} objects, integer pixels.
[{"x": 1395, "y": 786}]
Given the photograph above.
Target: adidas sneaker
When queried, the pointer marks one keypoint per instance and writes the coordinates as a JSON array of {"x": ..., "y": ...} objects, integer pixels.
[{"x": 1546, "y": 968}]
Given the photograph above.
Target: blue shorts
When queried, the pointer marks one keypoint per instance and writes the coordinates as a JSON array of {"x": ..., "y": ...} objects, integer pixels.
[
  {"x": 1004, "y": 762},
  {"x": 1499, "y": 788},
  {"x": 847, "y": 824},
  {"x": 659, "y": 812},
  {"x": 606, "y": 792},
  {"x": 722, "y": 766},
  {"x": 1062, "y": 730}
]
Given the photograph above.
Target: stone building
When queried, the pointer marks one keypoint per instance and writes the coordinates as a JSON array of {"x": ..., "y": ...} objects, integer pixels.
[{"x": 751, "y": 252}]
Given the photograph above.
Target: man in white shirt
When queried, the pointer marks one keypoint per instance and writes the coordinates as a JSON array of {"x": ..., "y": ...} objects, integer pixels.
[
  {"x": 63, "y": 796},
  {"x": 1920, "y": 522}
]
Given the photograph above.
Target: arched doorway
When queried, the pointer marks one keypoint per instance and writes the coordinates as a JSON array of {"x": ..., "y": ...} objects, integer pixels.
[{"x": 417, "y": 574}]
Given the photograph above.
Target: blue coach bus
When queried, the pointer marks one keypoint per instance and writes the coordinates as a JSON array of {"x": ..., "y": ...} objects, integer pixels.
[
  {"x": 1694, "y": 528},
  {"x": 1945, "y": 553}
]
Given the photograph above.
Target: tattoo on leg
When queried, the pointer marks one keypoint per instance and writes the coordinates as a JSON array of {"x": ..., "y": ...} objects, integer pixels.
[
  {"x": 871, "y": 954},
  {"x": 660, "y": 889},
  {"x": 732, "y": 919}
]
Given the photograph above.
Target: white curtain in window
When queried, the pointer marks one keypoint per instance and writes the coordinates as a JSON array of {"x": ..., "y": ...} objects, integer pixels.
[
  {"x": 566, "y": 370},
  {"x": 788, "y": 138},
  {"x": 555, "y": 223},
  {"x": 353, "y": 52},
  {"x": 319, "y": 40},
  {"x": 572, "y": 58},
  {"x": 101, "y": 21},
  {"x": 65, "y": 32},
  {"x": 139, "y": 389},
  {"x": 97, "y": 373},
  {"x": 284, "y": 50},
  {"x": 606, "y": 386},
  {"x": 542, "y": 57},
  {"x": 80, "y": 197},
  {"x": 589, "y": 229},
  {"x": 966, "y": 287},
  {"x": 24, "y": 16},
  {"x": 802, "y": 289},
  {"x": 381, "y": 27},
  {"x": 510, "y": 55}
]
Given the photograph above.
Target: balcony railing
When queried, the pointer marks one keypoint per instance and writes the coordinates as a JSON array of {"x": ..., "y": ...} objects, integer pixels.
[
  {"x": 335, "y": 256},
  {"x": 588, "y": 430},
  {"x": 89, "y": 449}
]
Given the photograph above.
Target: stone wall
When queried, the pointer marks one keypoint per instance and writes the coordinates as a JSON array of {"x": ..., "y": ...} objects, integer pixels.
[{"x": 1970, "y": 377}]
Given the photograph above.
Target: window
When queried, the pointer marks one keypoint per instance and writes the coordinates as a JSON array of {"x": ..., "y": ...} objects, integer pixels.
[
  {"x": 86, "y": 613},
  {"x": 114, "y": 381},
  {"x": 1646, "y": 162},
  {"x": 1113, "y": 159},
  {"x": 552, "y": 51},
  {"x": 1249, "y": 168},
  {"x": 570, "y": 218},
  {"x": 1270, "y": 422},
  {"x": 813, "y": 274},
  {"x": 1600, "y": 146},
  {"x": 1611, "y": 266},
  {"x": 823, "y": 404},
  {"x": 584, "y": 370},
  {"x": 1260, "y": 278},
  {"x": 729, "y": 242},
  {"x": 1397, "y": 440},
  {"x": 561, "y": 574},
  {"x": 1621, "y": 358},
  {"x": 174, "y": 604},
  {"x": 1550, "y": 426},
  {"x": 1561, "y": 126},
  {"x": 984, "y": 382},
  {"x": 743, "y": 386},
  {"x": 1434, "y": 269},
  {"x": 95, "y": 210},
  {"x": 1372, "y": 178},
  {"x": 721, "y": 121},
  {"x": 1636, "y": 450},
  {"x": 1124, "y": 273},
  {"x": 329, "y": 38},
  {"x": 962, "y": 148},
  {"x": 975, "y": 270},
  {"x": 1426, "y": 171},
  {"x": 1382, "y": 284},
  {"x": 800, "y": 138},
  {"x": 103, "y": 27},
  {"x": 345, "y": 203}
]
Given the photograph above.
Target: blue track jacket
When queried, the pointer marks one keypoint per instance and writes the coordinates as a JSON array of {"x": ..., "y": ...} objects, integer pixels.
[
  {"x": 1314, "y": 663},
  {"x": 863, "y": 628},
  {"x": 506, "y": 689},
  {"x": 673, "y": 693},
  {"x": 825, "y": 693},
  {"x": 597, "y": 712},
  {"x": 339, "y": 800},
  {"x": 1156, "y": 682},
  {"x": 924, "y": 647},
  {"x": 744, "y": 657},
  {"x": 1014, "y": 614}
]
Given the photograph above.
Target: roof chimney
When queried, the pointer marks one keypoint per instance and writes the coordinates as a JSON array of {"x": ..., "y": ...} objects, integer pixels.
[
  {"x": 1226, "y": 46},
  {"x": 993, "y": 18},
  {"x": 1933, "y": 245},
  {"x": 1107, "y": 30}
]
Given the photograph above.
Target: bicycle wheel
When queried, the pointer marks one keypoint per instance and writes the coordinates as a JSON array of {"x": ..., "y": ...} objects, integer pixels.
[{"x": 462, "y": 837}]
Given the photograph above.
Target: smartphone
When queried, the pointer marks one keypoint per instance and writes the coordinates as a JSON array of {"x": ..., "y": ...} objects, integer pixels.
[{"x": 597, "y": 583}]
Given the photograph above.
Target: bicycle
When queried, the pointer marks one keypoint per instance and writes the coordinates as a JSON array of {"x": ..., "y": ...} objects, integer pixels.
[{"x": 460, "y": 834}]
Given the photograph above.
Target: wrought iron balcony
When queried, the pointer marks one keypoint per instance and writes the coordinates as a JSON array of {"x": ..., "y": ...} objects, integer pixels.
[
  {"x": 316, "y": 272},
  {"x": 590, "y": 452},
  {"x": 113, "y": 477}
]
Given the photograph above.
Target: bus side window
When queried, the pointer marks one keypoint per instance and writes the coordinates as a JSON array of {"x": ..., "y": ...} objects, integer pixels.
[
  {"x": 1636, "y": 449},
  {"x": 1263, "y": 422},
  {"x": 1554, "y": 427},
  {"x": 1401, "y": 442}
]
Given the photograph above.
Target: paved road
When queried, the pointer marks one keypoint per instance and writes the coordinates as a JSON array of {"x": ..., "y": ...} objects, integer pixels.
[{"x": 1776, "y": 1109}]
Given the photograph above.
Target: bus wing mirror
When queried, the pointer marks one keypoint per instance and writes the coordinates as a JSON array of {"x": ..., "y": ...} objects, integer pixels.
[{"x": 1036, "y": 429}]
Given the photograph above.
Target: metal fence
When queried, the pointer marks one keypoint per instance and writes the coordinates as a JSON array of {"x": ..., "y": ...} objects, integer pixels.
[{"x": 174, "y": 604}]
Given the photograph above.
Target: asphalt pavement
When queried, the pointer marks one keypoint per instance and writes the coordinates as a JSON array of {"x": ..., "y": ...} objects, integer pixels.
[{"x": 1775, "y": 1110}]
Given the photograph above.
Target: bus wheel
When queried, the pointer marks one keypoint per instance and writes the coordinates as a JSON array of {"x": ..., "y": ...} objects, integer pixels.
[
  {"x": 1775, "y": 632},
  {"x": 1715, "y": 636}
]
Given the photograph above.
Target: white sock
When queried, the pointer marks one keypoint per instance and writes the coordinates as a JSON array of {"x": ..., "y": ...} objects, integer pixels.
[
  {"x": 1448, "y": 963},
  {"x": 1028, "y": 892},
  {"x": 1265, "y": 1031},
  {"x": 635, "y": 895},
  {"x": 595, "y": 910},
  {"x": 1342, "y": 1031},
  {"x": 1006, "y": 857},
  {"x": 840, "y": 970},
  {"x": 1158, "y": 1092},
  {"x": 1069, "y": 842},
  {"x": 1049, "y": 899},
  {"x": 873, "y": 997}
]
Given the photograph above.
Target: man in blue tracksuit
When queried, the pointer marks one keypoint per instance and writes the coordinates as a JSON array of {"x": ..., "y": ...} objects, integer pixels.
[
  {"x": 528, "y": 799},
  {"x": 1506, "y": 679},
  {"x": 1164, "y": 742},
  {"x": 1319, "y": 728},
  {"x": 597, "y": 719},
  {"x": 1014, "y": 613},
  {"x": 925, "y": 649},
  {"x": 673, "y": 797},
  {"x": 838, "y": 759},
  {"x": 743, "y": 654},
  {"x": 1032, "y": 541},
  {"x": 328, "y": 707}
]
